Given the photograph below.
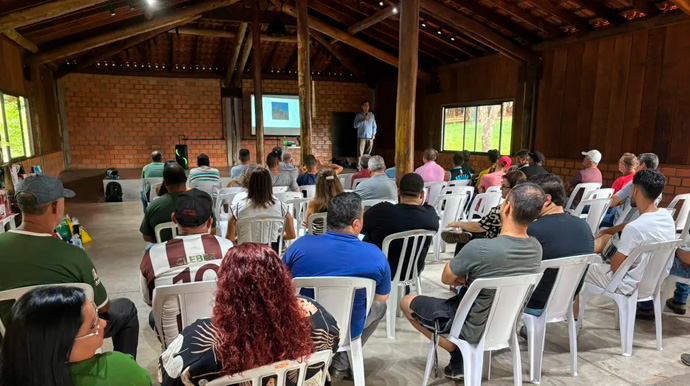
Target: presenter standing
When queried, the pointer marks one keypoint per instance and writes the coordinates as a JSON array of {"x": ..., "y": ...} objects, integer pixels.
[{"x": 365, "y": 123}]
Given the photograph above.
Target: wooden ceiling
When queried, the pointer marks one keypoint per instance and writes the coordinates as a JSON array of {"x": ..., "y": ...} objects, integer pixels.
[{"x": 206, "y": 44}]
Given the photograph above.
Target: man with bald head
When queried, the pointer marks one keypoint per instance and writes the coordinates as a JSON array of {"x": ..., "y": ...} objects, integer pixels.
[{"x": 153, "y": 169}]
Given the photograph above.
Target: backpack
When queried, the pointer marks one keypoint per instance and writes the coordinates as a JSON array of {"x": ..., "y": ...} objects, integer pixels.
[
  {"x": 112, "y": 174},
  {"x": 113, "y": 192}
]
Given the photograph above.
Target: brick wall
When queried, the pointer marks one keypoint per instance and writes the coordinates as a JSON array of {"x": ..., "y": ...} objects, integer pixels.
[
  {"x": 117, "y": 121},
  {"x": 328, "y": 98},
  {"x": 51, "y": 163}
]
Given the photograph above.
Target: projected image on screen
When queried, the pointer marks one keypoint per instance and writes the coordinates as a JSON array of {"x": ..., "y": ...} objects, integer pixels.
[{"x": 281, "y": 115}]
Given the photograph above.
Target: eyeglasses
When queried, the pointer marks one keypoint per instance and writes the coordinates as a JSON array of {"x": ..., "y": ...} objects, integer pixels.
[
  {"x": 504, "y": 187},
  {"x": 97, "y": 327}
]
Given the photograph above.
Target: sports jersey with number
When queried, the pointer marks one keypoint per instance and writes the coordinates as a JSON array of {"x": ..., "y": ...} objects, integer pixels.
[{"x": 184, "y": 259}]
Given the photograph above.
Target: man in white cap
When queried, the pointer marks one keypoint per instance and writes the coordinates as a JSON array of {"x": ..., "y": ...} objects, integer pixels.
[{"x": 590, "y": 173}]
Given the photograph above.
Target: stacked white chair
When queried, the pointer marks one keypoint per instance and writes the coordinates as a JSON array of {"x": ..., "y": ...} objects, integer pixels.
[
  {"x": 558, "y": 308},
  {"x": 158, "y": 230},
  {"x": 260, "y": 229},
  {"x": 580, "y": 190},
  {"x": 194, "y": 301},
  {"x": 509, "y": 300},
  {"x": 658, "y": 256},
  {"x": 449, "y": 208},
  {"x": 595, "y": 215},
  {"x": 337, "y": 295},
  {"x": 482, "y": 204},
  {"x": 317, "y": 224},
  {"x": 412, "y": 244},
  {"x": 433, "y": 190}
]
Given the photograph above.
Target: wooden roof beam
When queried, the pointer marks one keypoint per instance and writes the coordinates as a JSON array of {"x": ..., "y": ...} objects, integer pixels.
[
  {"x": 123, "y": 33},
  {"x": 21, "y": 40},
  {"x": 527, "y": 17},
  {"x": 566, "y": 16},
  {"x": 230, "y": 35},
  {"x": 235, "y": 53},
  {"x": 478, "y": 31},
  {"x": 373, "y": 19},
  {"x": 44, "y": 12},
  {"x": 346, "y": 61},
  {"x": 244, "y": 57},
  {"x": 498, "y": 19},
  {"x": 613, "y": 16},
  {"x": 684, "y": 5}
]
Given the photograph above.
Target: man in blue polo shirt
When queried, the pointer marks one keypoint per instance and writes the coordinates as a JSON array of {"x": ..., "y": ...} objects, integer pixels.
[{"x": 347, "y": 256}]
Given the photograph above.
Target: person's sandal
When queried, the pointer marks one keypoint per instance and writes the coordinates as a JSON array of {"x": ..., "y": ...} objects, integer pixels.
[
  {"x": 675, "y": 307},
  {"x": 455, "y": 237}
]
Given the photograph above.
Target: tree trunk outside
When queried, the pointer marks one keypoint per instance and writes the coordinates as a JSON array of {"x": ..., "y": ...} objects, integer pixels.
[{"x": 487, "y": 118}]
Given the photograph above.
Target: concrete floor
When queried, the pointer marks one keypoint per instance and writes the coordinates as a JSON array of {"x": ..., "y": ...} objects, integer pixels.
[{"x": 117, "y": 250}]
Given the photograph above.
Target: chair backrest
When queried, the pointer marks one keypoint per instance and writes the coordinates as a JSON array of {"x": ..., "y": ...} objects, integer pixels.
[
  {"x": 466, "y": 190},
  {"x": 410, "y": 252},
  {"x": 152, "y": 182},
  {"x": 681, "y": 213},
  {"x": 366, "y": 204},
  {"x": 260, "y": 229},
  {"x": 459, "y": 183},
  {"x": 571, "y": 269},
  {"x": 658, "y": 263},
  {"x": 192, "y": 300},
  {"x": 581, "y": 190},
  {"x": 210, "y": 187},
  {"x": 279, "y": 189},
  {"x": 482, "y": 204},
  {"x": 16, "y": 293},
  {"x": 510, "y": 297},
  {"x": 309, "y": 190},
  {"x": 433, "y": 190},
  {"x": 279, "y": 371},
  {"x": 317, "y": 224},
  {"x": 449, "y": 207},
  {"x": 356, "y": 182},
  {"x": 337, "y": 295},
  {"x": 597, "y": 211},
  {"x": 299, "y": 210},
  {"x": 599, "y": 193},
  {"x": 158, "y": 230},
  {"x": 285, "y": 196},
  {"x": 346, "y": 180},
  {"x": 493, "y": 189},
  {"x": 225, "y": 196}
]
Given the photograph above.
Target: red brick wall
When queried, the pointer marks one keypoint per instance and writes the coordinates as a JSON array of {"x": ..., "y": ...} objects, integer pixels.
[
  {"x": 117, "y": 121},
  {"x": 51, "y": 163}
]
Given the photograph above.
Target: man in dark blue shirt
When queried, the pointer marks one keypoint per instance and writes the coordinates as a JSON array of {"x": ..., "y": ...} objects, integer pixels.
[{"x": 340, "y": 253}]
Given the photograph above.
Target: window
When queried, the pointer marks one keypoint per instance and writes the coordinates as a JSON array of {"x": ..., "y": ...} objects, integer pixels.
[
  {"x": 15, "y": 130},
  {"x": 478, "y": 128}
]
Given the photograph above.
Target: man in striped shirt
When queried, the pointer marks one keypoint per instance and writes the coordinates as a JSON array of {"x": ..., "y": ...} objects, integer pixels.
[{"x": 193, "y": 256}]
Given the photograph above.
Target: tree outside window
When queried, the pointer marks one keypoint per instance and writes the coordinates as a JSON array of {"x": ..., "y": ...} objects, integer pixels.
[
  {"x": 478, "y": 128},
  {"x": 15, "y": 130}
]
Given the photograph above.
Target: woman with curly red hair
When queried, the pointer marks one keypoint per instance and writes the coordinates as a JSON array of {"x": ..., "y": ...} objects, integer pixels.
[{"x": 257, "y": 320}]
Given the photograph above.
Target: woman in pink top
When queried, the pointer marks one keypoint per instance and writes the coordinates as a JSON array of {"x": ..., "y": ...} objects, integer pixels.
[
  {"x": 627, "y": 165},
  {"x": 431, "y": 171},
  {"x": 494, "y": 179}
]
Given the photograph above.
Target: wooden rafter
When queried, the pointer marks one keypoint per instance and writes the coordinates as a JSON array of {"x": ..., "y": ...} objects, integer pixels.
[
  {"x": 373, "y": 19},
  {"x": 193, "y": 31},
  {"x": 123, "y": 33},
  {"x": 271, "y": 56},
  {"x": 684, "y": 5},
  {"x": 43, "y": 12},
  {"x": 291, "y": 61},
  {"x": 498, "y": 19},
  {"x": 345, "y": 60},
  {"x": 244, "y": 57},
  {"x": 527, "y": 17},
  {"x": 171, "y": 53},
  {"x": 21, "y": 40},
  {"x": 598, "y": 7},
  {"x": 568, "y": 17},
  {"x": 235, "y": 53}
]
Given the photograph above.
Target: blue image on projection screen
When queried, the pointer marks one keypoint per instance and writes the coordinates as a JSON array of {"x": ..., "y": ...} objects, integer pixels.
[{"x": 280, "y": 115}]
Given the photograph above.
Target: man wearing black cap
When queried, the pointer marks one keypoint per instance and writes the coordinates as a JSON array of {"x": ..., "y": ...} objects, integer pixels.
[
  {"x": 411, "y": 213},
  {"x": 194, "y": 255},
  {"x": 31, "y": 256},
  {"x": 536, "y": 159}
]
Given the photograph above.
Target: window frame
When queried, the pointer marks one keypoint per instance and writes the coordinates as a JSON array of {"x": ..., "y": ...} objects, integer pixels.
[
  {"x": 470, "y": 104},
  {"x": 4, "y": 129}
]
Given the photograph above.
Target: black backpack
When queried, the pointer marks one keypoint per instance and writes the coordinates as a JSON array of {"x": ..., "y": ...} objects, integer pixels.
[{"x": 113, "y": 192}]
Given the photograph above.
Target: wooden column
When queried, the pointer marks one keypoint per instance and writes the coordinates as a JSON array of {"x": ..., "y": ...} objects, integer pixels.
[
  {"x": 304, "y": 77},
  {"x": 407, "y": 87},
  {"x": 258, "y": 103}
]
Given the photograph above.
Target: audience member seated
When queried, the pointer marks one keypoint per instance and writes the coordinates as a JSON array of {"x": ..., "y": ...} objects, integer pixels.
[
  {"x": 346, "y": 256},
  {"x": 620, "y": 202},
  {"x": 390, "y": 172},
  {"x": 560, "y": 235},
  {"x": 243, "y": 180},
  {"x": 203, "y": 172},
  {"x": 194, "y": 255},
  {"x": 493, "y": 155},
  {"x": 152, "y": 170},
  {"x": 494, "y": 178},
  {"x": 257, "y": 320},
  {"x": 260, "y": 201},
  {"x": 384, "y": 219},
  {"x": 522, "y": 158},
  {"x": 379, "y": 186},
  {"x": 287, "y": 166},
  {"x": 431, "y": 171},
  {"x": 466, "y": 163},
  {"x": 680, "y": 268},
  {"x": 512, "y": 253},
  {"x": 364, "y": 171},
  {"x": 458, "y": 171},
  {"x": 51, "y": 339},
  {"x": 244, "y": 163},
  {"x": 627, "y": 165},
  {"x": 327, "y": 187},
  {"x": 312, "y": 167},
  {"x": 535, "y": 168},
  {"x": 488, "y": 226},
  {"x": 653, "y": 225},
  {"x": 31, "y": 256},
  {"x": 280, "y": 177},
  {"x": 590, "y": 173}
]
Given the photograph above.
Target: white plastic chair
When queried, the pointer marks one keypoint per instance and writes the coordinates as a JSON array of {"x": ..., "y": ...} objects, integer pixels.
[
  {"x": 346, "y": 180},
  {"x": 412, "y": 245},
  {"x": 337, "y": 295},
  {"x": 459, "y": 183},
  {"x": 279, "y": 189},
  {"x": 357, "y": 181},
  {"x": 171, "y": 226},
  {"x": 433, "y": 190},
  {"x": 191, "y": 301},
  {"x": 309, "y": 190},
  {"x": 152, "y": 182},
  {"x": 278, "y": 370},
  {"x": 210, "y": 187},
  {"x": 369, "y": 203},
  {"x": 599, "y": 193},
  {"x": 466, "y": 190},
  {"x": 482, "y": 204},
  {"x": 8, "y": 221},
  {"x": 511, "y": 294},
  {"x": 449, "y": 208},
  {"x": 286, "y": 196},
  {"x": 682, "y": 213},
  {"x": 658, "y": 263},
  {"x": 597, "y": 211},
  {"x": 299, "y": 210},
  {"x": 493, "y": 189},
  {"x": 225, "y": 196},
  {"x": 558, "y": 308},
  {"x": 260, "y": 229},
  {"x": 585, "y": 188},
  {"x": 317, "y": 224},
  {"x": 16, "y": 293}
]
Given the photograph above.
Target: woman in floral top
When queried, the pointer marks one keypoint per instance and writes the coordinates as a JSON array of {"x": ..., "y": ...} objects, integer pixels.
[{"x": 257, "y": 320}]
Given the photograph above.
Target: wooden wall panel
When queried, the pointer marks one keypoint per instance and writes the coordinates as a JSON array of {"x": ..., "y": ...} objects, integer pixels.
[
  {"x": 633, "y": 103},
  {"x": 602, "y": 94},
  {"x": 667, "y": 95},
  {"x": 11, "y": 73},
  {"x": 541, "y": 138},
  {"x": 680, "y": 134},
  {"x": 619, "y": 91},
  {"x": 652, "y": 81},
  {"x": 571, "y": 98},
  {"x": 554, "y": 114},
  {"x": 583, "y": 116}
]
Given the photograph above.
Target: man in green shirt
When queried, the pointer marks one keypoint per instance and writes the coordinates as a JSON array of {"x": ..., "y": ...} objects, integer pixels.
[
  {"x": 152, "y": 170},
  {"x": 31, "y": 256}
]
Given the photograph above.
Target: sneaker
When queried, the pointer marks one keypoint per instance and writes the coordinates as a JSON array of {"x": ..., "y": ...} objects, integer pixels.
[
  {"x": 452, "y": 237},
  {"x": 645, "y": 314},
  {"x": 685, "y": 358},
  {"x": 454, "y": 372},
  {"x": 677, "y": 308},
  {"x": 339, "y": 375},
  {"x": 523, "y": 332}
]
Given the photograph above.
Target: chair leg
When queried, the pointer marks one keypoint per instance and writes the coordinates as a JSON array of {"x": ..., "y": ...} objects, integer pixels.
[
  {"x": 486, "y": 365},
  {"x": 418, "y": 282},
  {"x": 572, "y": 334},
  {"x": 658, "y": 307},
  {"x": 357, "y": 361},
  {"x": 517, "y": 361},
  {"x": 392, "y": 306},
  {"x": 430, "y": 361},
  {"x": 536, "y": 335},
  {"x": 436, "y": 242},
  {"x": 626, "y": 318},
  {"x": 401, "y": 294},
  {"x": 472, "y": 363},
  {"x": 584, "y": 294}
]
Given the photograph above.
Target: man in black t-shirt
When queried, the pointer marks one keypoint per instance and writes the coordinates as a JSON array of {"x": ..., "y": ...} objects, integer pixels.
[
  {"x": 384, "y": 219},
  {"x": 535, "y": 168},
  {"x": 560, "y": 235}
]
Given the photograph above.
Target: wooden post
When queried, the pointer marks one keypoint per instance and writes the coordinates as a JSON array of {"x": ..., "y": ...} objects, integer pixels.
[
  {"x": 407, "y": 88},
  {"x": 304, "y": 77},
  {"x": 258, "y": 103}
]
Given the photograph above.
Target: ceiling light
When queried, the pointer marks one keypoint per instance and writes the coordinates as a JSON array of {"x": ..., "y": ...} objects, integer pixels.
[
  {"x": 381, "y": 3},
  {"x": 423, "y": 24},
  {"x": 395, "y": 10},
  {"x": 151, "y": 2},
  {"x": 111, "y": 9},
  {"x": 452, "y": 39},
  {"x": 438, "y": 32}
]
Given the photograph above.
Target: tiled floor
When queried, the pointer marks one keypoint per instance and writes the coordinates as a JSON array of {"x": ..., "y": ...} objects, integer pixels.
[{"x": 117, "y": 251}]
